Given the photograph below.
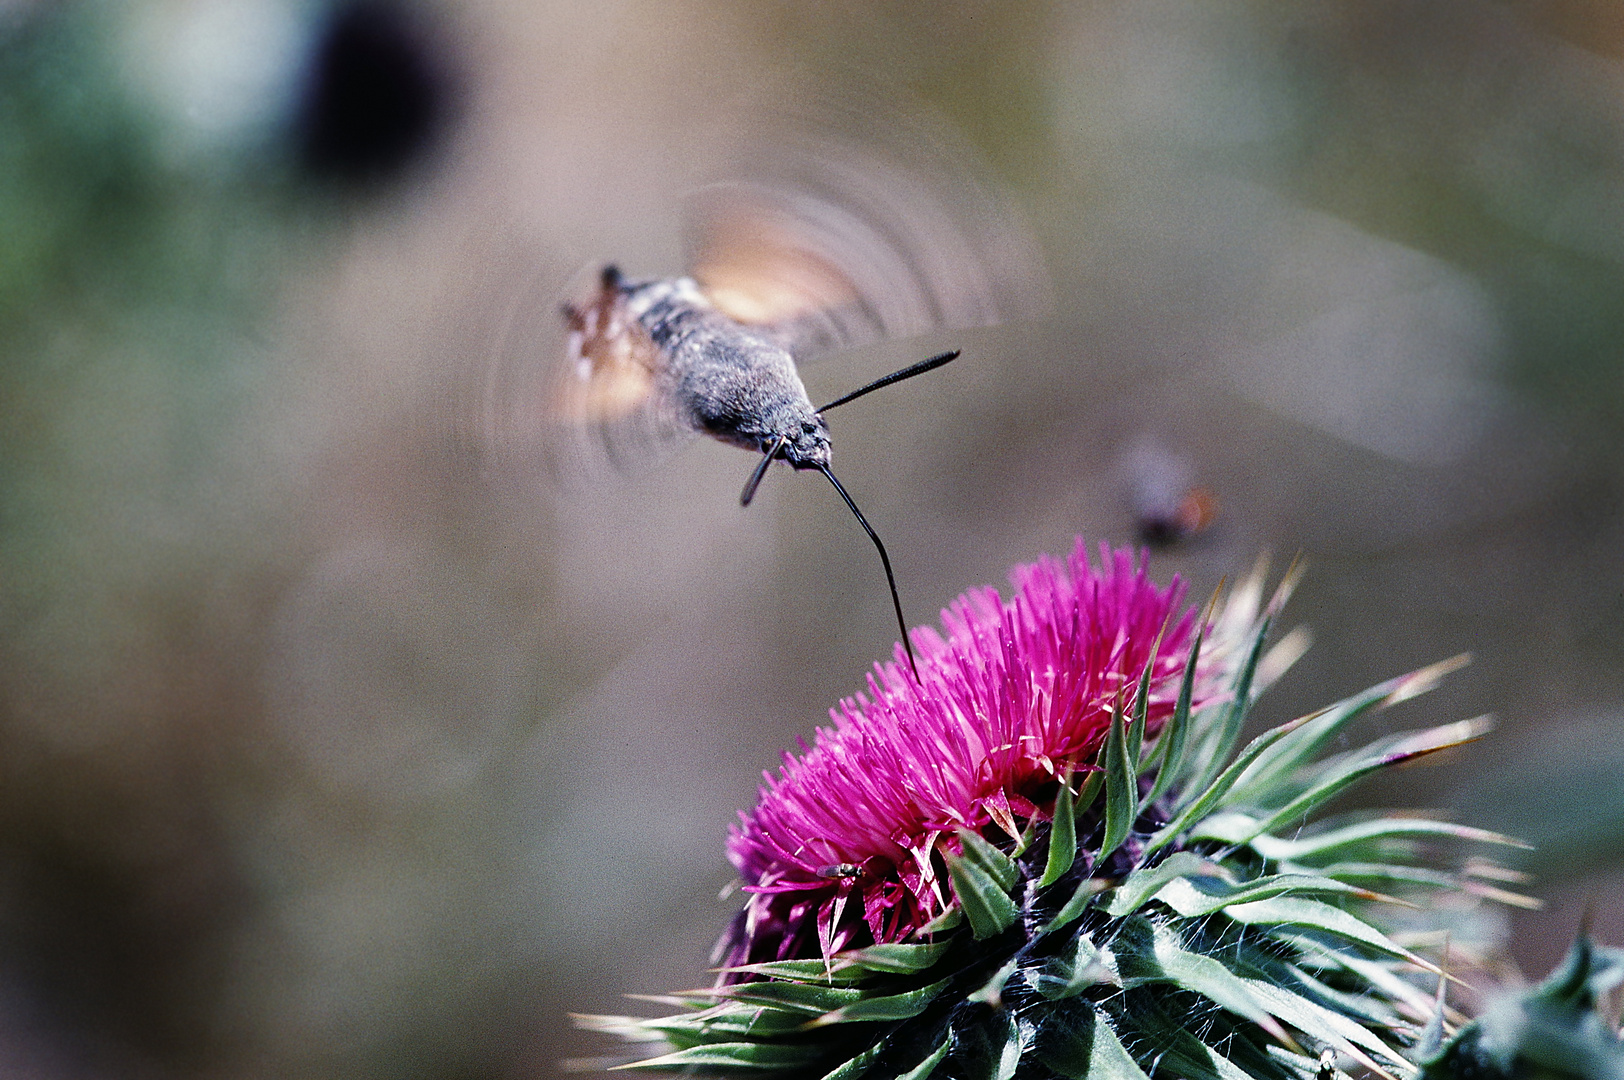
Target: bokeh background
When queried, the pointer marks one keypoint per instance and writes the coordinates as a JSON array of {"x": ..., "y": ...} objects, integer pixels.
[{"x": 340, "y": 738}]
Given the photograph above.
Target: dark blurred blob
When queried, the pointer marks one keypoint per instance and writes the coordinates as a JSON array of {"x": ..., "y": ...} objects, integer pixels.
[
  {"x": 1168, "y": 508},
  {"x": 380, "y": 95},
  {"x": 1164, "y": 525}
]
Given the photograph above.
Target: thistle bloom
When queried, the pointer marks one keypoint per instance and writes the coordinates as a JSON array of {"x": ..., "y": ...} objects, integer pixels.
[
  {"x": 844, "y": 842},
  {"x": 936, "y": 888}
]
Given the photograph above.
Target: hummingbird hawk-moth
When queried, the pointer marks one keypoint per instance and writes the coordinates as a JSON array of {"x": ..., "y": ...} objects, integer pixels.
[{"x": 779, "y": 272}]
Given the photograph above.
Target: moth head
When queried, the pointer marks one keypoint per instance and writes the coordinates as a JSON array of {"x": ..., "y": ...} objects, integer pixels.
[{"x": 808, "y": 446}]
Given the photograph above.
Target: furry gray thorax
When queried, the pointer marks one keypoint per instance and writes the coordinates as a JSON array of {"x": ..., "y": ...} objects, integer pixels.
[{"x": 733, "y": 382}]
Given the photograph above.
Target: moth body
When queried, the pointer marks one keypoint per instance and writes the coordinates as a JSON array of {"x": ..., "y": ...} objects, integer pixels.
[
  {"x": 712, "y": 373},
  {"x": 668, "y": 350}
]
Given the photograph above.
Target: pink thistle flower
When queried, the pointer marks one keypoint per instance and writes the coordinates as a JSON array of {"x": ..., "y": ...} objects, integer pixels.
[{"x": 844, "y": 847}]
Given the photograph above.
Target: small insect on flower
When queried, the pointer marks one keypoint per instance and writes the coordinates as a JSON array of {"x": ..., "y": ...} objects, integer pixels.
[
  {"x": 779, "y": 271},
  {"x": 840, "y": 870}
]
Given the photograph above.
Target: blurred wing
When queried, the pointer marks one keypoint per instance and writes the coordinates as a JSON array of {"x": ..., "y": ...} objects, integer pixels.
[
  {"x": 609, "y": 395},
  {"x": 611, "y": 364},
  {"x": 762, "y": 264},
  {"x": 570, "y": 387},
  {"x": 835, "y": 246}
]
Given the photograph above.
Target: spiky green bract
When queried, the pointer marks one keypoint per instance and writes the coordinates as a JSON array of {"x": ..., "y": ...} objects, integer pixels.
[
  {"x": 1553, "y": 1031},
  {"x": 1204, "y": 925}
]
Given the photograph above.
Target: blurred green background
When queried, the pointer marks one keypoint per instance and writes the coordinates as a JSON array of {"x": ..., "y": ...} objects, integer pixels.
[{"x": 339, "y": 739}]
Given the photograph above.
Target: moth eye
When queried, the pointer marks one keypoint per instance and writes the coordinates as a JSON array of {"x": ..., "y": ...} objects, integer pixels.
[{"x": 809, "y": 427}]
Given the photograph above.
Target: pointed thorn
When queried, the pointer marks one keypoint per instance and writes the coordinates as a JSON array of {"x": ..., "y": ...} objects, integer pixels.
[{"x": 1288, "y": 584}]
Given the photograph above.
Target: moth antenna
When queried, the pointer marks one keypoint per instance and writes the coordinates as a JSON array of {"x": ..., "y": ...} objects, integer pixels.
[
  {"x": 754, "y": 482},
  {"x": 895, "y": 377},
  {"x": 885, "y": 560}
]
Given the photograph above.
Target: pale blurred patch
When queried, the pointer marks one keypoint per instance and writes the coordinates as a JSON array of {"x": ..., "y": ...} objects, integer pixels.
[
  {"x": 221, "y": 72},
  {"x": 1377, "y": 344}
]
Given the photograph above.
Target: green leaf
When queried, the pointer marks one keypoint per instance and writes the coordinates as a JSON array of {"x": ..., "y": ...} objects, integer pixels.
[
  {"x": 1080, "y": 1044},
  {"x": 1325, "y": 1025},
  {"x": 1273, "y": 769},
  {"x": 1298, "y": 1066},
  {"x": 1391, "y": 873},
  {"x": 800, "y": 997},
  {"x": 1203, "y": 804},
  {"x": 1335, "y": 777},
  {"x": 1210, "y": 978},
  {"x": 1271, "y": 1061},
  {"x": 723, "y": 1022},
  {"x": 994, "y": 863},
  {"x": 1141, "y": 885},
  {"x": 1121, "y": 786},
  {"x": 986, "y": 905},
  {"x": 947, "y": 920},
  {"x": 1028, "y": 835},
  {"x": 991, "y": 992},
  {"x": 1193, "y": 898},
  {"x": 1192, "y": 1059},
  {"x": 740, "y": 1055},
  {"x": 1371, "y": 1010},
  {"x": 1227, "y": 732},
  {"x": 1087, "y": 890},
  {"x": 990, "y": 1050},
  {"x": 1289, "y": 911},
  {"x": 1336, "y": 841},
  {"x": 1170, "y": 744},
  {"x": 1093, "y": 784},
  {"x": 891, "y": 1007},
  {"x": 1378, "y": 974},
  {"x": 856, "y": 1066},
  {"x": 1074, "y": 970},
  {"x": 923, "y": 1070},
  {"x": 1009, "y": 1058},
  {"x": 1280, "y": 657},
  {"x": 805, "y": 971},
  {"x": 1132, "y": 944},
  {"x": 1141, "y": 712},
  {"x": 1199, "y": 747},
  {"x": 1180, "y": 1053},
  {"x": 629, "y": 1028},
  {"x": 1062, "y": 837},
  {"x": 1228, "y": 827},
  {"x": 895, "y": 959}
]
